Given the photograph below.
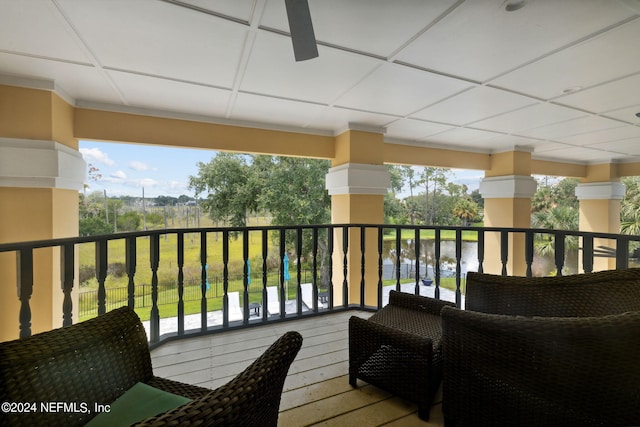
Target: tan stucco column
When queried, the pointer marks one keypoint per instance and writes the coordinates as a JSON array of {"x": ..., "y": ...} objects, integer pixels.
[
  {"x": 41, "y": 172},
  {"x": 507, "y": 190},
  {"x": 357, "y": 183},
  {"x": 600, "y": 194}
]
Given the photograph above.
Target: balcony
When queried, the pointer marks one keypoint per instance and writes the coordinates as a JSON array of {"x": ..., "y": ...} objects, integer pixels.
[{"x": 348, "y": 270}]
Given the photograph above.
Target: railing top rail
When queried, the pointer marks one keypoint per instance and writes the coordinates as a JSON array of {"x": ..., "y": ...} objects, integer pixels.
[{"x": 36, "y": 244}]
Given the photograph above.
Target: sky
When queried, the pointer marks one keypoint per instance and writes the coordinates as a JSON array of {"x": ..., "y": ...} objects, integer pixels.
[{"x": 126, "y": 169}]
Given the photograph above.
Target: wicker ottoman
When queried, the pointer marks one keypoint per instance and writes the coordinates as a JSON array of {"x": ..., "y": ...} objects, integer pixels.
[{"x": 398, "y": 349}]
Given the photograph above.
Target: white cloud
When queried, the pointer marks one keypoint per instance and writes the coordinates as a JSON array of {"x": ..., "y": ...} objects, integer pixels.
[
  {"x": 95, "y": 155},
  {"x": 138, "y": 166},
  {"x": 147, "y": 182}
]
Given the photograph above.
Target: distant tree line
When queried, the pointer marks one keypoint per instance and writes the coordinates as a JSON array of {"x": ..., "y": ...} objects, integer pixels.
[{"x": 103, "y": 215}]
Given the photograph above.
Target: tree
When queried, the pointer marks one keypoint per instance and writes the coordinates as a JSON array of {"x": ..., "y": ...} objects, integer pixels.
[
  {"x": 466, "y": 210},
  {"x": 630, "y": 207},
  {"x": 409, "y": 173},
  {"x": 225, "y": 181},
  {"x": 432, "y": 178},
  {"x": 292, "y": 189}
]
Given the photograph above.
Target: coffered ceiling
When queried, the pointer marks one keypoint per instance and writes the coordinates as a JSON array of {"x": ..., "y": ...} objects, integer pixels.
[{"x": 559, "y": 77}]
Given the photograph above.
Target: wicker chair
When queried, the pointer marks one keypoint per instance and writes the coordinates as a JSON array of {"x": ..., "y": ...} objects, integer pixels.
[
  {"x": 572, "y": 361},
  {"x": 399, "y": 348},
  {"x": 98, "y": 360},
  {"x": 578, "y": 295}
]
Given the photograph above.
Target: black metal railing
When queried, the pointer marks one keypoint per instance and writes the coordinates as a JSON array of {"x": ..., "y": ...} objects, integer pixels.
[{"x": 337, "y": 260}]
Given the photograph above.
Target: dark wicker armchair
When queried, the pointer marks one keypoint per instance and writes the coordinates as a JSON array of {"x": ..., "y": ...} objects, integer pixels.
[
  {"x": 399, "y": 348},
  {"x": 99, "y": 360},
  {"x": 541, "y": 371},
  {"x": 571, "y": 362}
]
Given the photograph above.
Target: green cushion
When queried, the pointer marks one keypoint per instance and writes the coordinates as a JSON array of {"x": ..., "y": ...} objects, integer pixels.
[{"x": 139, "y": 402}]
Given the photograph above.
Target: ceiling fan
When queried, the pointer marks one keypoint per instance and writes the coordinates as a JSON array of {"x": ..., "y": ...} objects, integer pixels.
[{"x": 301, "y": 28}]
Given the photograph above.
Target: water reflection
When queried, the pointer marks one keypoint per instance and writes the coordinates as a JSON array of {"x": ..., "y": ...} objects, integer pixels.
[{"x": 428, "y": 261}]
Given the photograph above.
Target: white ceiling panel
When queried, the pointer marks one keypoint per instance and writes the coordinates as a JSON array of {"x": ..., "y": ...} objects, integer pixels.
[
  {"x": 596, "y": 60},
  {"x": 240, "y": 9},
  {"x": 580, "y": 154},
  {"x": 465, "y": 74},
  {"x": 79, "y": 81},
  {"x": 171, "y": 95},
  {"x": 46, "y": 34},
  {"x": 201, "y": 48},
  {"x": 614, "y": 134},
  {"x": 410, "y": 129},
  {"x": 362, "y": 25},
  {"x": 261, "y": 109},
  {"x": 272, "y": 70},
  {"x": 395, "y": 89},
  {"x": 528, "y": 118},
  {"x": 578, "y": 126},
  {"x": 501, "y": 142},
  {"x": 625, "y": 146},
  {"x": 605, "y": 97},
  {"x": 473, "y": 105},
  {"x": 627, "y": 115},
  {"x": 461, "y": 136},
  {"x": 541, "y": 147},
  {"x": 339, "y": 118},
  {"x": 480, "y": 40}
]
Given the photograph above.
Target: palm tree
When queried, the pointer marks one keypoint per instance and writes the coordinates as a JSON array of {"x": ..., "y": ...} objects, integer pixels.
[
  {"x": 556, "y": 218},
  {"x": 630, "y": 207},
  {"x": 466, "y": 210}
]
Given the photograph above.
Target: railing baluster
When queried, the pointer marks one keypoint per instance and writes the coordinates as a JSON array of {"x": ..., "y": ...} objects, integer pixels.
[
  {"x": 299, "y": 274},
  {"x": 24, "y": 269},
  {"x": 622, "y": 253},
  {"x": 458, "y": 266},
  {"x": 265, "y": 241},
  {"x": 362, "y": 265},
  {"x": 528, "y": 252},
  {"x": 559, "y": 252},
  {"x": 130, "y": 259},
  {"x": 436, "y": 272},
  {"x": 398, "y": 256},
  {"x": 480, "y": 251},
  {"x": 67, "y": 273},
  {"x": 587, "y": 253},
  {"x": 154, "y": 321},
  {"x": 225, "y": 279},
  {"x": 101, "y": 274},
  {"x": 504, "y": 250},
  {"x": 245, "y": 275},
  {"x": 330, "y": 248},
  {"x": 314, "y": 266},
  {"x": 204, "y": 279},
  {"x": 380, "y": 264},
  {"x": 417, "y": 263},
  {"x": 282, "y": 274},
  {"x": 345, "y": 268},
  {"x": 180, "y": 256}
]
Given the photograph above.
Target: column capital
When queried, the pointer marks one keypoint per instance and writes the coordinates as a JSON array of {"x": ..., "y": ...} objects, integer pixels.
[
  {"x": 40, "y": 164},
  {"x": 358, "y": 178},
  {"x": 600, "y": 191},
  {"x": 508, "y": 187}
]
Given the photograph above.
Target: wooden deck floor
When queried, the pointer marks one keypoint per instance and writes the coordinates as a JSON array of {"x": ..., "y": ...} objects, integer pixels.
[{"x": 316, "y": 391}]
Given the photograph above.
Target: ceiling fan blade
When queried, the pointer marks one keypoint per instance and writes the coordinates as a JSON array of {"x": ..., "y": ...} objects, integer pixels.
[{"x": 301, "y": 28}]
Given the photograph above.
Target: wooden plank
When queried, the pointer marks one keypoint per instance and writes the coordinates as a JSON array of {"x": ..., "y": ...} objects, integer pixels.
[{"x": 316, "y": 391}]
